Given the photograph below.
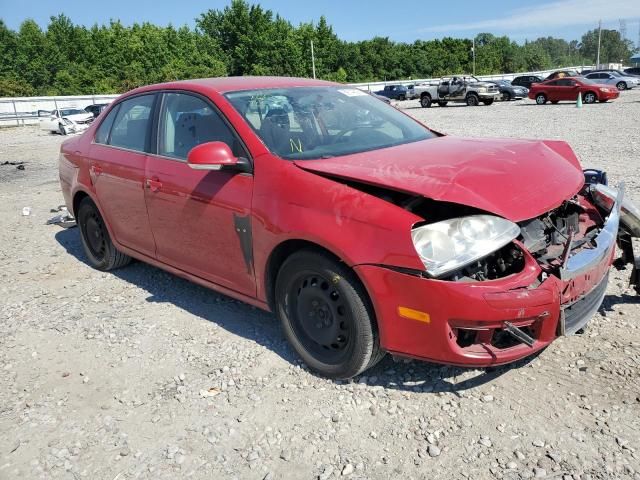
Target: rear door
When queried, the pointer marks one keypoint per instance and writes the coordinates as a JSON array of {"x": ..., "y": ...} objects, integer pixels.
[
  {"x": 117, "y": 170},
  {"x": 201, "y": 220},
  {"x": 551, "y": 90}
]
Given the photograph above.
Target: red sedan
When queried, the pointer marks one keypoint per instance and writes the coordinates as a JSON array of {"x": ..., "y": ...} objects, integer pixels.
[
  {"x": 568, "y": 88},
  {"x": 361, "y": 229}
]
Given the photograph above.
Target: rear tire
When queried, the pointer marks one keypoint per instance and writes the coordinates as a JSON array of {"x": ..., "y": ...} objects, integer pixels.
[
  {"x": 326, "y": 315},
  {"x": 62, "y": 129},
  {"x": 541, "y": 99},
  {"x": 473, "y": 100},
  {"x": 506, "y": 96},
  {"x": 97, "y": 244},
  {"x": 425, "y": 101}
]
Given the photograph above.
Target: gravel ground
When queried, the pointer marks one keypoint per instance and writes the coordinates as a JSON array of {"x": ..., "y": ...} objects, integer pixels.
[{"x": 139, "y": 374}]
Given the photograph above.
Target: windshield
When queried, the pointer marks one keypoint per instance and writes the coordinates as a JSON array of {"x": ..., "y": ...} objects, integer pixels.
[
  {"x": 320, "y": 122},
  {"x": 71, "y": 111}
]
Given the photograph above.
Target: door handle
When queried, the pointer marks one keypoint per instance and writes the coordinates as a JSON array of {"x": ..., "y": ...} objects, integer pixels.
[{"x": 153, "y": 184}]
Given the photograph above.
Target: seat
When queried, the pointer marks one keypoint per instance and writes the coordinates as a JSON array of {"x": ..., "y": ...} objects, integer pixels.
[{"x": 275, "y": 130}]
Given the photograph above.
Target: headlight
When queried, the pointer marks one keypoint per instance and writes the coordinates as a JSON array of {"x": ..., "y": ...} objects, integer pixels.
[
  {"x": 451, "y": 244},
  {"x": 603, "y": 89},
  {"x": 605, "y": 196}
]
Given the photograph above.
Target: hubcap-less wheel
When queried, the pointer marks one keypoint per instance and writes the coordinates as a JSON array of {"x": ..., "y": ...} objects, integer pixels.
[
  {"x": 506, "y": 96},
  {"x": 589, "y": 98},
  {"x": 621, "y": 86},
  {"x": 98, "y": 247},
  {"x": 93, "y": 230},
  {"x": 326, "y": 314},
  {"x": 425, "y": 101},
  {"x": 320, "y": 317},
  {"x": 541, "y": 99}
]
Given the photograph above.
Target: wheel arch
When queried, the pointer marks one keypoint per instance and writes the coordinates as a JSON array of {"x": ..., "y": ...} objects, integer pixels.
[
  {"x": 425, "y": 94},
  {"x": 284, "y": 250}
]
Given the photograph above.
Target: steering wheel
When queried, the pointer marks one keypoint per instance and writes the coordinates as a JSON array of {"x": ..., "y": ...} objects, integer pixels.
[{"x": 341, "y": 134}]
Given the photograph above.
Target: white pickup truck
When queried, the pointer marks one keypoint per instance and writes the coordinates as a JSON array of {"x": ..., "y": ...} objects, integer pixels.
[{"x": 464, "y": 89}]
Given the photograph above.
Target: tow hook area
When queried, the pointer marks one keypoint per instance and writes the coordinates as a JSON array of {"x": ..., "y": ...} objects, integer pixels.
[{"x": 518, "y": 334}]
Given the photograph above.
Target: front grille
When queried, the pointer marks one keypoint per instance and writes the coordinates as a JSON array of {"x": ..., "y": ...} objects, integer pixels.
[{"x": 576, "y": 315}]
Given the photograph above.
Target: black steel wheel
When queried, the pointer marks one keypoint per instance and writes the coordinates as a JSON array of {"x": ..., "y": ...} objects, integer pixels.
[
  {"x": 326, "y": 315},
  {"x": 442, "y": 103},
  {"x": 62, "y": 129},
  {"x": 97, "y": 244}
]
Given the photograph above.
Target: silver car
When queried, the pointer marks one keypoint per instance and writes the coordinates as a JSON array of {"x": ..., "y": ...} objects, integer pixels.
[{"x": 610, "y": 78}]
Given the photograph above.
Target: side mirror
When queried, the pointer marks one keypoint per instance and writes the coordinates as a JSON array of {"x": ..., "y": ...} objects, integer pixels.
[{"x": 214, "y": 156}]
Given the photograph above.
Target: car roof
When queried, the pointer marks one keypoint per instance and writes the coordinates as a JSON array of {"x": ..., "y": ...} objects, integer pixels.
[{"x": 235, "y": 84}]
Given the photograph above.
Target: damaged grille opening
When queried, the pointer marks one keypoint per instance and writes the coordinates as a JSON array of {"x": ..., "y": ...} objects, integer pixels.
[
  {"x": 502, "y": 339},
  {"x": 566, "y": 229},
  {"x": 465, "y": 337}
]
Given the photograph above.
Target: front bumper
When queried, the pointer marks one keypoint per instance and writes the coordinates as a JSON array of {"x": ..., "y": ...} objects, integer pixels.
[{"x": 465, "y": 321}]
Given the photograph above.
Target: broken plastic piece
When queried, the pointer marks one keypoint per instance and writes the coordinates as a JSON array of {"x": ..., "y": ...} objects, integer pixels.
[{"x": 518, "y": 334}]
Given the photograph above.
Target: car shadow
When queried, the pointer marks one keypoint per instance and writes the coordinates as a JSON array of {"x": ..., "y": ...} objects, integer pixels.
[
  {"x": 563, "y": 103},
  {"x": 263, "y": 328}
]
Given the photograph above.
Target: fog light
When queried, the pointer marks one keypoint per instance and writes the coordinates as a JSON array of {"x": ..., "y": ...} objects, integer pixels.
[{"x": 412, "y": 314}]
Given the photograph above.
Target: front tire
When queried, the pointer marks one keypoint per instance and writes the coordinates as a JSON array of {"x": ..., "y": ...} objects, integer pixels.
[
  {"x": 541, "y": 99},
  {"x": 621, "y": 86},
  {"x": 97, "y": 244},
  {"x": 473, "y": 100},
  {"x": 62, "y": 129},
  {"x": 425, "y": 101},
  {"x": 442, "y": 103},
  {"x": 326, "y": 315},
  {"x": 589, "y": 97}
]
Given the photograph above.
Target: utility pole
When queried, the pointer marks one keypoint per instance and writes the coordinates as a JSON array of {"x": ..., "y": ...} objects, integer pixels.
[
  {"x": 599, "y": 38},
  {"x": 313, "y": 61},
  {"x": 473, "y": 51}
]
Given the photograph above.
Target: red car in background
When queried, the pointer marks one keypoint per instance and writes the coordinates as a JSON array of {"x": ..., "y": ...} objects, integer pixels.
[
  {"x": 568, "y": 88},
  {"x": 364, "y": 231}
]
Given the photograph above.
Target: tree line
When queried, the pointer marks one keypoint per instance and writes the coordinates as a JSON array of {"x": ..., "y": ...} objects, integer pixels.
[{"x": 246, "y": 39}]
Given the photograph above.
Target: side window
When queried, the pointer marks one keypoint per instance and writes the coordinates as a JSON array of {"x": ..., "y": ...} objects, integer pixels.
[
  {"x": 130, "y": 126},
  {"x": 187, "y": 121},
  {"x": 102, "y": 134},
  {"x": 553, "y": 84}
]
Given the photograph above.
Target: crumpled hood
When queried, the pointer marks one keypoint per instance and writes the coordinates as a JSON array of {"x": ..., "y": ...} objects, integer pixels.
[{"x": 516, "y": 179}]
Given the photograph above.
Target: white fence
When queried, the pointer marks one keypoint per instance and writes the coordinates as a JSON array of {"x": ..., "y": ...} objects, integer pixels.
[{"x": 24, "y": 110}]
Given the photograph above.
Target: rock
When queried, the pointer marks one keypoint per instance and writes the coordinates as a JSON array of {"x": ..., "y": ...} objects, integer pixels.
[
  {"x": 538, "y": 443},
  {"x": 487, "y": 398},
  {"x": 348, "y": 469},
  {"x": 433, "y": 450},
  {"x": 512, "y": 465},
  {"x": 485, "y": 441},
  {"x": 539, "y": 472}
]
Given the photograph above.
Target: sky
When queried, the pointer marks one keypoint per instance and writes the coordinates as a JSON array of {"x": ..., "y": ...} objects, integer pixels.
[{"x": 404, "y": 21}]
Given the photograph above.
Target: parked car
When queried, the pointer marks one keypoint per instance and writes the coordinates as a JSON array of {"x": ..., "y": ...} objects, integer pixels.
[
  {"x": 394, "y": 92},
  {"x": 569, "y": 88},
  {"x": 362, "y": 230},
  {"x": 96, "y": 109},
  {"x": 461, "y": 89},
  {"x": 562, "y": 74},
  {"x": 509, "y": 91},
  {"x": 66, "y": 120},
  {"x": 632, "y": 71},
  {"x": 621, "y": 82},
  {"x": 610, "y": 70},
  {"x": 526, "y": 81}
]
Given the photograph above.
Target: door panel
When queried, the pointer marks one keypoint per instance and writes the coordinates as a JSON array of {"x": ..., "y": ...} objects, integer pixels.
[
  {"x": 195, "y": 215},
  {"x": 117, "y": 170},
  {"x": 118, "y": 177}
]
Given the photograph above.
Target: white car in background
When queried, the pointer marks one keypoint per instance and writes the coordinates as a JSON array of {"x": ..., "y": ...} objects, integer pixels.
[{"x": 66, "y": 120}]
